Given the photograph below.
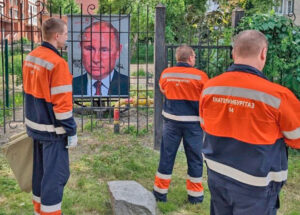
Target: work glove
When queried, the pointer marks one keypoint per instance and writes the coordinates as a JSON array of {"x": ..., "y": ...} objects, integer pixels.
[{"x": 72, "y": 141}]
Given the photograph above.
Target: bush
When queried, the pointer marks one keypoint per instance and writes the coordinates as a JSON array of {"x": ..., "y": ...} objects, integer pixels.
[
  {"x": 142, "y": 56},
  {"x": 283, "y": 61}
]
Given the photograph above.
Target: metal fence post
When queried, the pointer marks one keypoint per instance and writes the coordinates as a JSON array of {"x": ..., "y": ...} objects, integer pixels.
[
  {"x": 6, "y": 74},
  {"x": 160, "y": 65}
]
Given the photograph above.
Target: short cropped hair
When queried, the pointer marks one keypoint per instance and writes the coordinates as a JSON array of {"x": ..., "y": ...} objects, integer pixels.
[
  {"x": 249, "y": 43},
  {"x": 109, "y": 26},
  {"x": 183, "y": 53},
  {"x": 51, "y": 26}
]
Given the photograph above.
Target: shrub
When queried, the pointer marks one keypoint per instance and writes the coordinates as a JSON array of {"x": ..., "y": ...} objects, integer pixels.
[{"x": 283, "y": 61}]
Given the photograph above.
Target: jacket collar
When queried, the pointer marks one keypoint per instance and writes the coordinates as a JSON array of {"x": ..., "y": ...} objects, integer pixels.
[
  {"x": 247, "y": 69},
  {"x": 50, "y": 46},
  {"x": 182, "y": 64}
]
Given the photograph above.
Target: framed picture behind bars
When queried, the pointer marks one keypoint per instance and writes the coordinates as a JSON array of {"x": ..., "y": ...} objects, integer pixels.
[{"x": 98, "y": 55}]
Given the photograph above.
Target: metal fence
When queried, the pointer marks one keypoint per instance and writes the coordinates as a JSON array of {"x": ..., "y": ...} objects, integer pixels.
[{"x": 21, "y": 33}]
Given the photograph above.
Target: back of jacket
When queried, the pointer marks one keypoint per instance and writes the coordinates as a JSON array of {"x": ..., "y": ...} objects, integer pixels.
[
  {"x": 248, "y": 121},
  {"x": 182, "y": 86},
  {"x": 48, "y": 95}
]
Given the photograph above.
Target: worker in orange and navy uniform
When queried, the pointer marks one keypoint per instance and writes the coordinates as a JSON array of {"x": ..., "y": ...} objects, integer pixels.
[
  {"x": 182, "y": 86},
  {"x": 247, "y": 123},
  {"x": 49, "y": 118}
]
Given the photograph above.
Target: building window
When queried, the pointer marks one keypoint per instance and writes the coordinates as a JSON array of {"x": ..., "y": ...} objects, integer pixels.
[
  {"x": 16, "y": 14},
  {"x": 1, "y": 8},
  {"x": 32, "y": 11},
  {"x": 290, "y": 8},
  {"x": 278, "y": 9}
]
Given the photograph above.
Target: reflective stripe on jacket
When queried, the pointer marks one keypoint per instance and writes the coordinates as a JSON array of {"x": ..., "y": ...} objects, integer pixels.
[
  {"x": 182, "y": 86},
  {"x": 248, "y": 121},
  {"x": 48, "y": 94}
]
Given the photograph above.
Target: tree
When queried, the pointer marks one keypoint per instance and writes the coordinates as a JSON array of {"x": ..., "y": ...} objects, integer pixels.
[
  {"x": 62, "y": 6},
  {"x": 249, "y": 6},
  {"x": 182, "y": 18}
]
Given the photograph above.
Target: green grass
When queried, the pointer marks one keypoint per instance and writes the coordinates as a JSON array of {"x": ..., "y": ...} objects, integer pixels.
[
  {"x": 18, "y": 97},
  {"x": 104, "y": 156},
  {"x": 141, "y": 73}
]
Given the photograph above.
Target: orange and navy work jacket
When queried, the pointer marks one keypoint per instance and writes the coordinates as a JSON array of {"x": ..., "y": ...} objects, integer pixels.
[
  {"x": 182, "y": 86},
  {"x": 48, "y": 94},
  {"x": 247, "y": 122}
]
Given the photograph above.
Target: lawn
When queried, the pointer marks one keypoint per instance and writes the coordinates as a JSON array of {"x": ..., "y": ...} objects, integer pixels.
[{"x": 104, "y": 156}]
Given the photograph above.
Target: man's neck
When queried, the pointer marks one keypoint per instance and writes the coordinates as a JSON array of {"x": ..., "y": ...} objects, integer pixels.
[
  {"x": 249, "y": 62},
  {"x": 53, "y": 43}
]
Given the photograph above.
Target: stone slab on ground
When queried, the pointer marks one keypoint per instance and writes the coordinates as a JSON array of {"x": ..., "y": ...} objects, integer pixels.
[{"x": 131, "y": 198}]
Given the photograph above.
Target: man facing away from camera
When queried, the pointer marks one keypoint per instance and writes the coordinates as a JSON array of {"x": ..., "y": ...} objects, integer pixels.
[
  {"x": 49, "y": 117},
  {"x": 248, "y": 122},
  {"x": 182, "y": 86}
]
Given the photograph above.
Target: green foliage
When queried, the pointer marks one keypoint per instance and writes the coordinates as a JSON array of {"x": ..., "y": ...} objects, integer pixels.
[
  {"x": 249, "y": 6},
  {"x": 104, "y": 157},
  {"x": 283, "y": 62},
  {"x": 182, "y": 17},
  {"x": 63, "y": 6},
  {"x": 141, "y": 56},
  {"x": 142, "y": 73}
]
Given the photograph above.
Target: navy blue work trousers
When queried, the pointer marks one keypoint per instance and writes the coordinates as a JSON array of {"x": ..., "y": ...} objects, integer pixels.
[
  {"x": 192, "y": 135},
  {"x": 225, "y": 201},
  {"x": 50, "y": 171}
]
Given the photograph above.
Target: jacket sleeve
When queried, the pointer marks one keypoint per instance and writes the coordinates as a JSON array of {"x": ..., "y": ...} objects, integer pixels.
[
  {"x": 161, "y": 84},
  {"x": 201, "y": 103},
  {"x": 61, "y": 97},
  {"x": 289, "y": 119}
]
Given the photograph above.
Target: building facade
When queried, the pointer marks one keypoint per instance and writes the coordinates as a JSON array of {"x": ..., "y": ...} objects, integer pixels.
[
  {"x": 19, "y": 19},
  {"x": 290, "y": 8},
  {"x": 86, "y": 3}
]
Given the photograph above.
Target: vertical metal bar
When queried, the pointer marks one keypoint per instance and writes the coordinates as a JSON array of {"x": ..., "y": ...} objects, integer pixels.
[
  {"x": 6, "y": 75},
  {"x": 160, "y": 65},
  {"x": 3, "y": 75},
  {"x": 208, "y": 52},
  {"x": 119, "y": 81},
  {"x": 50, "y": 8},
  {"x": 100, "y": 66},
  {"x": 81, "y": 68},
  {"x": 22, "y": 59},
  {"x": 217, "y": 56},
  {"x": 138, "y": 68},
  {"x": 60, "y": 12},
  {"x": 129, "y": 61},
  {"x": 199, "y": 58},
  {"x": 172, "y": 56},
  {"x": 12, "y": 67},
  {"x": 91, "y": 67},
  {"x": 147, "y": 71},
  {"x": 41, "y": 21},
  {"x": 110, "y": 69},
  {"x": 31, "y": 28}
]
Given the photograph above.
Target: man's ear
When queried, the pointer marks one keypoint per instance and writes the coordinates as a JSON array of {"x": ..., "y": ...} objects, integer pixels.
[
  {"x": 263, "y": 54},
  {"x": 56, "y": 35},
  {"x": 233, "y": 54}
]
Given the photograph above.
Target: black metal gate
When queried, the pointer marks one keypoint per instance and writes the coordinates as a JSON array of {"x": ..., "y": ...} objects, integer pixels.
[{"x": 21, "y": 32}]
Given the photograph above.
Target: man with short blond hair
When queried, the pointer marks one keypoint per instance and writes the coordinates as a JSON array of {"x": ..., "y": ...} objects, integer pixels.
[
  {"x": 183, "y": 53},
  {"x": 181, "y": 86},
  {"x": 49, "y": 117},
  {"x": 248, "y": 122}
]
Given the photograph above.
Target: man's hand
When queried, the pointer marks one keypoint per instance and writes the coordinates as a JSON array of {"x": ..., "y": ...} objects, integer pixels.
[{"x": 72, "y": 141}]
